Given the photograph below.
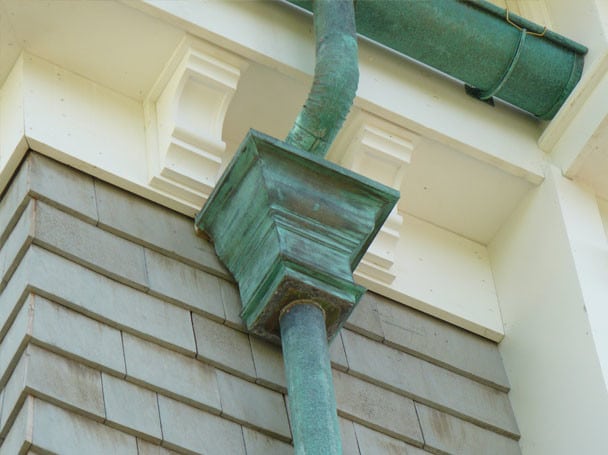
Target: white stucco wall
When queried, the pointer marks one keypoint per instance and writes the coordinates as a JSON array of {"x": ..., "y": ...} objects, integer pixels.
[{"x": 543, "y": 260}]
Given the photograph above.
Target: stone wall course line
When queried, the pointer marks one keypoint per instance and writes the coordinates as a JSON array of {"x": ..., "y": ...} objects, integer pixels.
[
  {"x": 253, "y": 405},
  {"x": 90, "y": 246},
  {"x": 194, "y": 431},
  {"x": 257, "y": 443},
  {"x": 444, "y": 433},
  {"x": 155, "y": 227},
  {"x": 55, "y": 379},
  {"x": 349, "y": 438},
  {"x": 64, "y": 332},
  {"x": 172, "y": 374},
  {"x": 268, "y": 360},
  {"x": 337, "y": 354},
  {"x": 131, "y": 409},
  {"x": 442, "y": 343},
  {"x": 365, "y": 318},
  {"x": 47, "y": 428},
  {"x": 19, "y": 436},
  {"x": 62, "y": 186},
  {"x": 429, "y": 383},
  {"x": 378, "y": 408},
  {"x": 184, "y": 285},
  {"x": 13, "y": 201},
  {"x": 98, "y": 297},
  {"x": 232, "y": 305},
  {"x": 224, "y": 347},
  {"x": 374, "y": 443},
  {"x": 147, "y": 448},
  {"x": 17, "y": 243}
]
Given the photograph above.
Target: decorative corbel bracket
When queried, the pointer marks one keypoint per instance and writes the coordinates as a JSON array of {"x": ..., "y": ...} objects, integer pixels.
[
  {"x": 185, "y": 114},
  {"x": 381, "y": 151}
]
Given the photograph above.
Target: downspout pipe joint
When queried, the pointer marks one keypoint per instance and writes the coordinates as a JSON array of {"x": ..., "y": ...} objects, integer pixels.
[{"x": 335, "y": 80}]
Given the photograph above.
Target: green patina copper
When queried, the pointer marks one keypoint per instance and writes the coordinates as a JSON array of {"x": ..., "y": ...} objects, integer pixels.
[
  {"x": 314, "y": 422},
  {"x": 291, "y": 226},
  {"x": 472, "y": 41},
  {"x": 335, "y": 80}
]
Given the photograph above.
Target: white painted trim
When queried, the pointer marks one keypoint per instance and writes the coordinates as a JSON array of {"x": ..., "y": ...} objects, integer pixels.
[
  {"x": 569, "y": 137},
  {"x": 550, "y": 352},
  {"x": 392, "y": 88},
  {"x": 381, "y": 151},
  {"x": 185, "y": 114},
  {"x": 75, "y": 121}
]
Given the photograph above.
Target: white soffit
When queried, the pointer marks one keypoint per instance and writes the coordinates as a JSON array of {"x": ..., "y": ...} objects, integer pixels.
[
  {"x": 9, "y": 45},
  {"x": 440, "y": 185},
  {"x": 465, "y": 175},
  {"x": 464, "y": 195},
  {"x": 113, "y": 45}
]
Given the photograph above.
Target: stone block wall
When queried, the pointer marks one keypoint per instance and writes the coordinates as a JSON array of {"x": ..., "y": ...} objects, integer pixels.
[{"x": 120, "y": 334}]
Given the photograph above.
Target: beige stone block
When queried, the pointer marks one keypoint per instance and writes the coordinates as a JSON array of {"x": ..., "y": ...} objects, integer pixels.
[
  {"x": 349, "y": 438},
  {"x": 13, "y": 396},
  {"x": 337, "y": 355},
  {"x": 224, "y": 346},
  {"x": 171, "y": 372},
  {"x": 376, "y": 407},
  {"x": 148, "y": 448},
  {"x": 91, "y": 341},
  {"x": 442, "y": 343},
  {"x": 60, "y": 329},
  {"x": 406, "y": 374},
  {"x": 16, "y": 340},
  {"x": 45, "y": 374},
  {"x": 184, "y": 285},
  {"x": 259, "y": 444},
  {"x": 269, "y": 365},
  {"x": 18, "y": 438},
  {"x": 42, "y": 178},
  {"x": 131, "y": 408},
  {"x": 253, "y": 405},
  {"x": 155, "y": 227},
  {"x": 62, "y": 186},
  {"x": 232, "y": 305},
  {"x": 449, "y": 434},
  {"x": 189, "y": 428},
  {"x": 105, "y": 299},
  {"x": 374, "y": 443},
  {"x": 91, "y": 246},
  {"x": 365, "y": 318},
  {"x": 15, "y": 293},
  {"x": 59, "y": 431},
  {"x": 13, "y": 202},
  {"x": 16, "y": 244}
]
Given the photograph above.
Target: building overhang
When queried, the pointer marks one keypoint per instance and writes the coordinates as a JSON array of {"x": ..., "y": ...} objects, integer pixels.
[{"x": 156, "y": 96}]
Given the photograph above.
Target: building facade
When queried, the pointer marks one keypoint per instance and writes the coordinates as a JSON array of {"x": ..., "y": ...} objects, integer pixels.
[{"x": 484, "y": 327}]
